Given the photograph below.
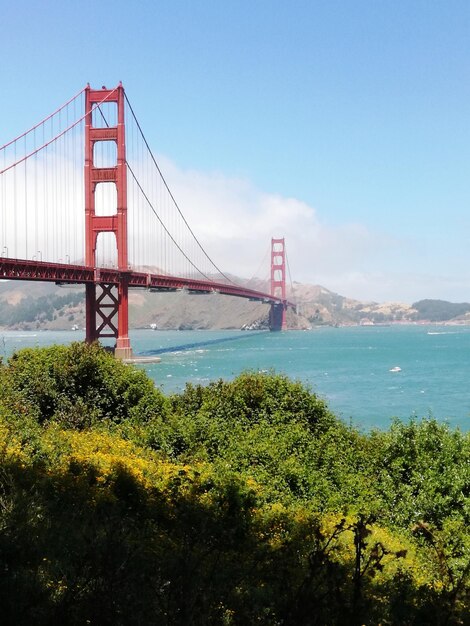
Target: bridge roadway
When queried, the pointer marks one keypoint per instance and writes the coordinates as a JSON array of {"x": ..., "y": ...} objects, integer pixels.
[{"x": 18, "y": 269}]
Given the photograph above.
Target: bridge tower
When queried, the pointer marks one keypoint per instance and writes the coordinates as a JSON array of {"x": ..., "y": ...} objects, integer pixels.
[
  {"x": 277, "y": 314},
  {"x": 102, "y": 308}
]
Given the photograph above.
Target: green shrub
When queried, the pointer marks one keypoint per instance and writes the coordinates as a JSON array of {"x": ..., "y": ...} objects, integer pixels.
[
  {"x": 243, "y": 502},
  {"x": 78, "y": 385}
]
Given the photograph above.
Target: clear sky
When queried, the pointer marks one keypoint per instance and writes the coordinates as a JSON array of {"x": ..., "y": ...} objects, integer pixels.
[{"x": 342, "y": 124}]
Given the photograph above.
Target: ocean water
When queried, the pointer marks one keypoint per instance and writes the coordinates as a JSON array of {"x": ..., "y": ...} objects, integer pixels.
[{"x": 349, "y": 367}]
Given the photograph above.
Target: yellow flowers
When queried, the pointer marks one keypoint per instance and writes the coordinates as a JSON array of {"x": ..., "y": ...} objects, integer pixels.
[
  {"x": 93, "y": 460},
  {"x": 11, "y": 447}
]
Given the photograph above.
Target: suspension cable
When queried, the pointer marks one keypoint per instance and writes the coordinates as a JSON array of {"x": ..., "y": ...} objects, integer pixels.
[
  {"x": 260, "y": 266},
  {"x": 153, "y": 208},
  {"x": 44, "y": 120},
  {"x": 290, "y": 277},
  {"x": 172, "y": 197},
  {"x": 164, "y": 227},
  {"x": 48, "y": 143}
]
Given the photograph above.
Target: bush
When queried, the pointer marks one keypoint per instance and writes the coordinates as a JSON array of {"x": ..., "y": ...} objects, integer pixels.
[
  {"x": 237, "y": 503},
  {"x": 78, "y": 385}
]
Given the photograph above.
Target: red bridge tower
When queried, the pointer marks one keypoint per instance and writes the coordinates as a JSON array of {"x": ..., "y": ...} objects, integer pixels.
[
  {"x": 102, "y": 308},
  {"x": 277, "y": 314}
]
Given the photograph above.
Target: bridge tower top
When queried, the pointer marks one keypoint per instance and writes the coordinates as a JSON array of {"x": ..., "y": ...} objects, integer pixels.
[
  {"x": 278, "y": 284},
  {"x": 278, "y": 268}
]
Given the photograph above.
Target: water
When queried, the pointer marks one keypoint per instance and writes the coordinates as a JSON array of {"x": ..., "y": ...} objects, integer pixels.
[{"x": 349, "y": 367}]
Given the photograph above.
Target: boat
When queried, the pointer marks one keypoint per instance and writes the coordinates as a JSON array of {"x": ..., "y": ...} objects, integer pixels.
[{"x": 395, "y": 369}]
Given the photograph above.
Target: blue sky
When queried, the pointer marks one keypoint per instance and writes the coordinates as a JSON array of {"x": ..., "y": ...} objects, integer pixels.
[{"x": 343, "y": 125}]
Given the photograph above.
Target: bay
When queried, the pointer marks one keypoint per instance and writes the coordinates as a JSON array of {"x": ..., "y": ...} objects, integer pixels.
[{"x": 349, "y": 367}]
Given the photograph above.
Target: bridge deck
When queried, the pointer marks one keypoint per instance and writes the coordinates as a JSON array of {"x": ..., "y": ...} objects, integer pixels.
[{"x": 18, "y": 269}]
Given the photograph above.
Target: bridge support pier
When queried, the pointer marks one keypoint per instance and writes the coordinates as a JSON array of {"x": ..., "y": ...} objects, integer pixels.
[
  {"x": 90, "y": 313},
  {"x": 123, "y": 348},
  {"x": 103, "y": 305},
  {"x": 277, "y": 317}
]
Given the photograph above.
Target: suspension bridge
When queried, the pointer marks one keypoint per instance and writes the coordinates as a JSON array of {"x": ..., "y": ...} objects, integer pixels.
[{"x": 84, "y": 201}]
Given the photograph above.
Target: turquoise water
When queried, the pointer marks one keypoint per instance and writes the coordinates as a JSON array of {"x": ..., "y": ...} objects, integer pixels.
[{"x": 349, "y": 367}]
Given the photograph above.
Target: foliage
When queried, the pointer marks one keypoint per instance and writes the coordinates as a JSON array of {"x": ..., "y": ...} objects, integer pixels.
[
  {"x": 32, "y": 309},
  {"x": 244, "y": 502},
  {"x": 77, "y": 385},
  {"x": 440, "y": 310},
  {"x": 270, "y": 428},
  {"x": 424, "y": 473}
]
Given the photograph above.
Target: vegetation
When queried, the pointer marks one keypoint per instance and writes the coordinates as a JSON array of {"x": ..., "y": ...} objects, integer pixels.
[
  {"x": 38, "y": 310},
  {"x": 440, "y": 310},
  {"x": 243, "y": 502}
]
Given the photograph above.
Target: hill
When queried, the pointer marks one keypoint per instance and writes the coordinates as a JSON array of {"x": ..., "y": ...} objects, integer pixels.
[{"x": 33, "y": 305}]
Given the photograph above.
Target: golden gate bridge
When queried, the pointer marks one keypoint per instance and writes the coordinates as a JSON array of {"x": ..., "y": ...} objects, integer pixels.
[{"x": 83, "y": 201}]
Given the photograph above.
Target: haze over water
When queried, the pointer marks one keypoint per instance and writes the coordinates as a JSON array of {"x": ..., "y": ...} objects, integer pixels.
[{"x": 348, "y": 367}]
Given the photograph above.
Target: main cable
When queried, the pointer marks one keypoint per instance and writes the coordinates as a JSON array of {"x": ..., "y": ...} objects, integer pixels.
[
  {"x": 149, "y": 202},
  {"x": 44, "y": 120},
  {"x": 290, "y": 277},
  {"x": 172, "y": 197},
  {"x": 164, "y": 227},
  {"x": 48, "y": 143}
]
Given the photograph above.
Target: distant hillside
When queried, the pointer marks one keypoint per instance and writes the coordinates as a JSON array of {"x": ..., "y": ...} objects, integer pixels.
[
  {"x": 32, "y": 305},
  {"x": 35, "y": 305},
  {"x": 441, "y": 310}
]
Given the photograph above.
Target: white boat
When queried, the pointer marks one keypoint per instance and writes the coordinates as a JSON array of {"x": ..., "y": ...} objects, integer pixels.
[{"x": 395, "y": 369}]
